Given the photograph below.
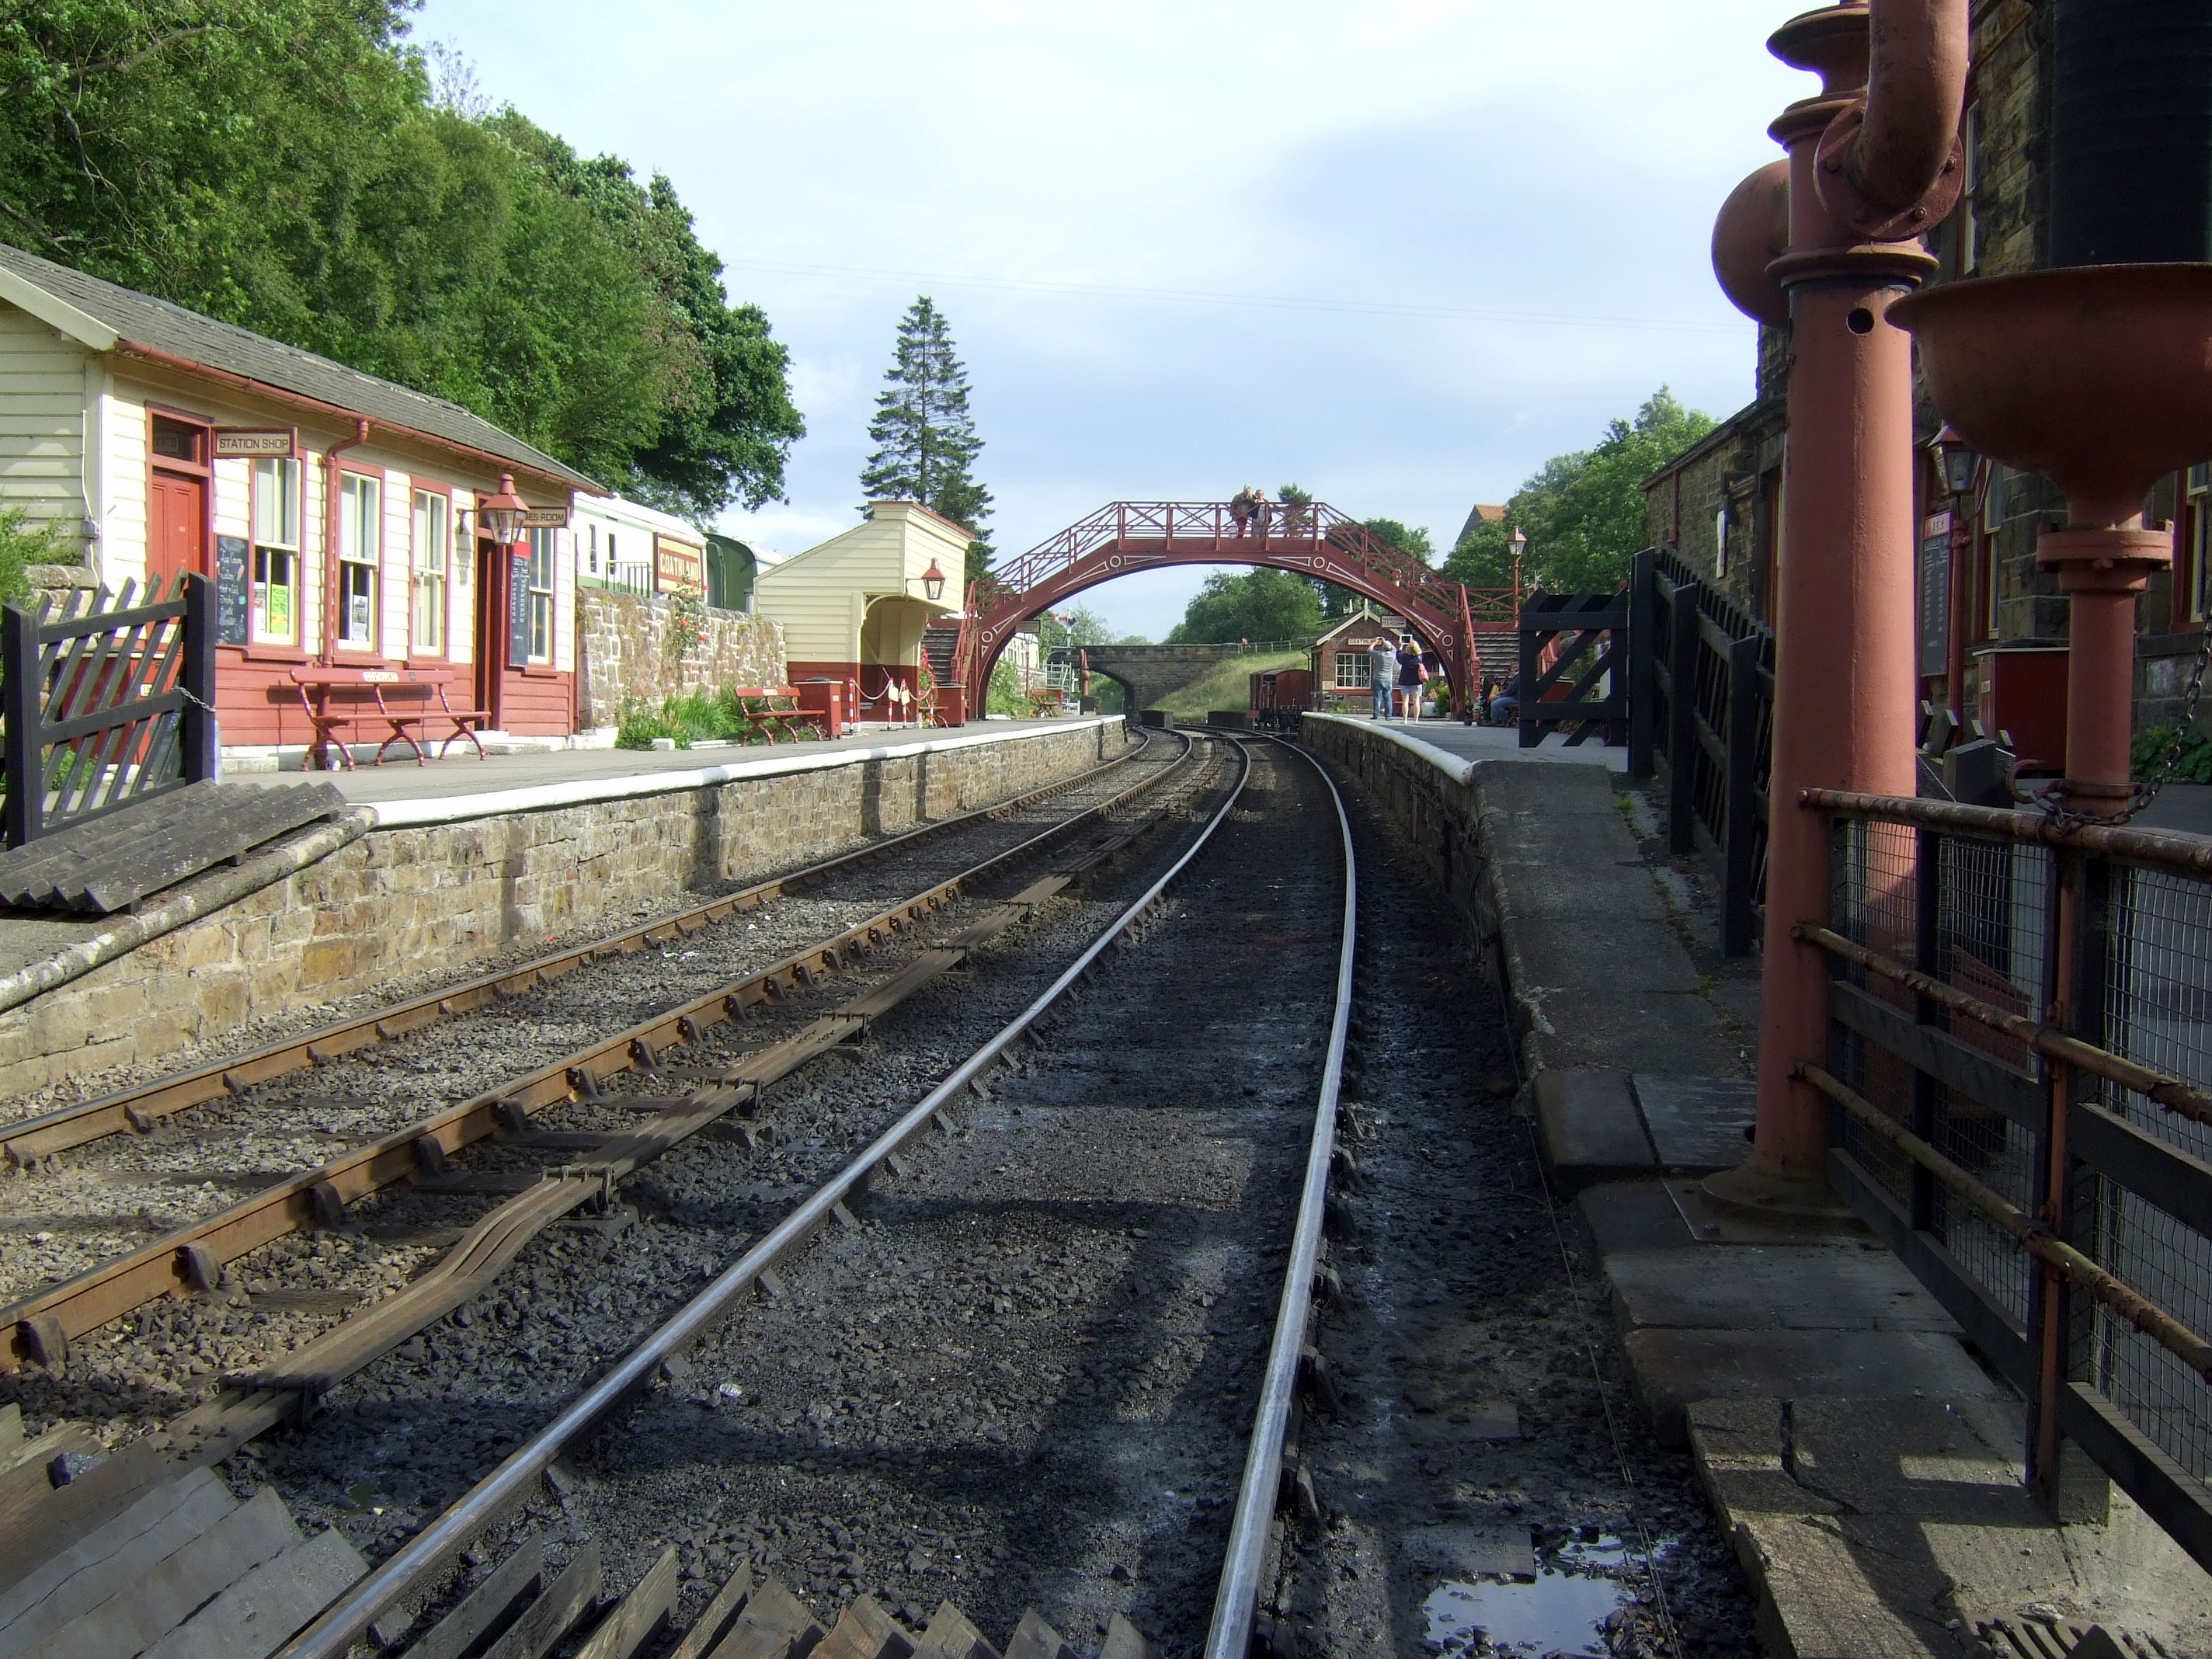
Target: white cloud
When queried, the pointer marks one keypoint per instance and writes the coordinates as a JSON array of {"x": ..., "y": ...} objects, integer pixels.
[{"x": 1490, "y": 156}]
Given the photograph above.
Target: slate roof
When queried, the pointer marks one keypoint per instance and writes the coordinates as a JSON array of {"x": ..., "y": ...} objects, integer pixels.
[{"x": 153, "y": 325}]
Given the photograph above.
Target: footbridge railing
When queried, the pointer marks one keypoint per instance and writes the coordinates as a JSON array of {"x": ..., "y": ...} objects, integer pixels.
[
  {"x": 2019, "y": 1057},
  {"x": 1270, "y": 525}
]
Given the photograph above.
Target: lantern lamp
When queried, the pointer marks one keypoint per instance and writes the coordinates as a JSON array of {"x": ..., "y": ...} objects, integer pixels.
[
  {"x": 933, "y": 581},
  {"x": 500, "y": 512}
]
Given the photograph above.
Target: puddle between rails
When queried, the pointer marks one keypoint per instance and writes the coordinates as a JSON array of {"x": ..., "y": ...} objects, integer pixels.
[{"x": 1563, "y": 1611}]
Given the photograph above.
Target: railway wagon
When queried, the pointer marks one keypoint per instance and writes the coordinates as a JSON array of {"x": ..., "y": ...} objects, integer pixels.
[{"x": 1279, "y": 695}]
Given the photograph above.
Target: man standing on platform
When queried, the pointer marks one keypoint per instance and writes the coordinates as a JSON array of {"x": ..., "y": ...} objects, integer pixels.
[{"x": 1382, "y": 673}]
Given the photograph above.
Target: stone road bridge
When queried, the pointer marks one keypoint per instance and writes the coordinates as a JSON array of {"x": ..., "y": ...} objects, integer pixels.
[{"x": 1149, "y": 673}]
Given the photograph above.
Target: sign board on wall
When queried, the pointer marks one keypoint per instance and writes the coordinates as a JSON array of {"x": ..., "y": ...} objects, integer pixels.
[
  {"x": 1935, "y": 593},
  {"x": 257, "y": 441},
  {"x": 518, "y": 609},
  {"x": 546, "y": 518},
  {"x": 231, "y": 592},
  {"x": 678, "y": 568}
]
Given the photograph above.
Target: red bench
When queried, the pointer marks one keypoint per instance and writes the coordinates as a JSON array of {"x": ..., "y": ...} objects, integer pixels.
[
  {"x": 774, "y": 708},
  {"x": 349, "y": 706}
]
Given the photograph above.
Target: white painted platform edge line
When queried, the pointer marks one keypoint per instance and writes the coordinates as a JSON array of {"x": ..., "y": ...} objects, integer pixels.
[
  {"x": 1458, "y": 768},
  {"x": 583, "y": 792}
]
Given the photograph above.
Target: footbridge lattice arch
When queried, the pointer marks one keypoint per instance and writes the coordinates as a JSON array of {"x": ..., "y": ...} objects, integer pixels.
[{"x": 1308, "y": 538}]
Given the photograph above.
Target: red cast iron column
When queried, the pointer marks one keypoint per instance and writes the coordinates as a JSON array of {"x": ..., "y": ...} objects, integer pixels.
[{"x": 1844, "y": 669}]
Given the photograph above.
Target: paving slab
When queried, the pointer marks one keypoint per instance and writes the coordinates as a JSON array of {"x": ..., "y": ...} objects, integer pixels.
[
  {"x": 1804, "y": 1287},
  {"x": 1630, "y": 1215},
  {"x": 1885, "y": 1528},
  {"x": 1676, "y": 1368},
  {"x": 1588, "y": 1127},
  {"x": 1698, "y": 1123}
]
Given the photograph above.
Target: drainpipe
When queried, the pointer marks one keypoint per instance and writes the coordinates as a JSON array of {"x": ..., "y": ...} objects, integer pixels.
[
  {"x": 1872, "y": 159},
  {"x": 331, "y": 537}
]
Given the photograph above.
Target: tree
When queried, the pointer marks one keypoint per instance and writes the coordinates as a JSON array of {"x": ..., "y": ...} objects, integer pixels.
[
  {"x": 1414, "y": 543},
  {"x": 924, "y": 437},
  {"x": 1582, "y": 512},
  {"x": 1261, "y": 603},
  {"x": 295, "y": 167}
]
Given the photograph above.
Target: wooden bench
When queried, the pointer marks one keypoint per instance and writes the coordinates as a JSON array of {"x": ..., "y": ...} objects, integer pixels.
[
  {"x": 349, "y": 706},
  {"x": 774, "y": 708}
]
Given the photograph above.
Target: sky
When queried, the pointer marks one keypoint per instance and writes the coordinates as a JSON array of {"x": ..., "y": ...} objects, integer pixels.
[{"x": 1397, "y": 251}]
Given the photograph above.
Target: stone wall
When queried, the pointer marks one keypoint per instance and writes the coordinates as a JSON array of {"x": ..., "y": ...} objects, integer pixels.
[
  {"x": 629, "y": 649},
  {"x": 1538, "y": 860},
  {"x": 441, "y": 897}
]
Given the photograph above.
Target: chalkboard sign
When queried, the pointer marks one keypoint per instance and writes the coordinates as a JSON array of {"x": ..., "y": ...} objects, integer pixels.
[
  {"x": 1935, "y": 593},
  {"x": 517, "y": 608},
  {"x": 232, "y": 591}
]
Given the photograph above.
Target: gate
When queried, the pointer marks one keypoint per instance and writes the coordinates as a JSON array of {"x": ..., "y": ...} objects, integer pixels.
[
  {"x": 106, "y": 703},
  {"x": 1570, "y": 644}
]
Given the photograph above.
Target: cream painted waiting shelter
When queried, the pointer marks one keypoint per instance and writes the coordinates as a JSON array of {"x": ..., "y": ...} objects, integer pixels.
[{"x": 854, "y": 608}]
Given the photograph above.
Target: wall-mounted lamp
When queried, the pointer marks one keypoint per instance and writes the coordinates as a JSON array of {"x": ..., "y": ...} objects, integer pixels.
[
  {"x": 500, "y": 512},
  {"x": 1960, "y": 461},
  {"x": 933, "y": 581}
]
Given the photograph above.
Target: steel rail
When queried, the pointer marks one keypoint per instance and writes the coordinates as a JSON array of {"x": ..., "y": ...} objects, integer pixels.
[
  {"x": 38, "y": 1328},
  {"x": 142, "y": 1105},
  {"x": 1236, "y": 1600},
  {"x": 331, "y": 1635}
]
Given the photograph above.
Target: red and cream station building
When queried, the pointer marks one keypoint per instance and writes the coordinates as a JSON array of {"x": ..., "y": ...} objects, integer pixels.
[
  {"x": 335, "y": 513},
  {"x": 854, "y": 610}
]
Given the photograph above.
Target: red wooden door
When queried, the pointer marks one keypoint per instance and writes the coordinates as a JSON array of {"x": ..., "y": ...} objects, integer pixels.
[
  {"x": 176, "y": 540},
  {"x": 491, "y": 653}
]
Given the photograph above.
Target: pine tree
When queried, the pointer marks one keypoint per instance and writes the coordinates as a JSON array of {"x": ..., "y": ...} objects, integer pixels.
[{"x": 925, "y": 438}]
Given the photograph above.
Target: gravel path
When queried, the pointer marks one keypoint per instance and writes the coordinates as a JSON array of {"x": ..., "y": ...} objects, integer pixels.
[{"x": 111, "y": 1196}]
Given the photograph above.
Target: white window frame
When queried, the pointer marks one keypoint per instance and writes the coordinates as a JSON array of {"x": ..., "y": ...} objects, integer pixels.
[
  {"x": 360, "y": 545},
  {"x": 275, "y": 548},
  {"x": 543, "y": 547},
  {"x": 1360, "y": 665},
  {"x": 433, "y": 534}
]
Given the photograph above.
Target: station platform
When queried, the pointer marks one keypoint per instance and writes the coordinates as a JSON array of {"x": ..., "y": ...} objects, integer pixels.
[
  {"x": 1457, "y": 748},
  {"x": 442, "y": 869},
  {"x": 461, "y": 786}
]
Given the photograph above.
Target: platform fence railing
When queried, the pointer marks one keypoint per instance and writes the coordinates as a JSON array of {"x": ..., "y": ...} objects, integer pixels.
[
  {"x": 2019, "y": 1062},
  {"x": 1701, "y": 717}
]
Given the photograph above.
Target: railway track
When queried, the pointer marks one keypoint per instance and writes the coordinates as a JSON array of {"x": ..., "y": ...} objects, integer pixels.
[
  {"x": 1068, "y": 1215},
  {"x": 391, "y": 1066},
  {"x": 1034, "y": 1337}
]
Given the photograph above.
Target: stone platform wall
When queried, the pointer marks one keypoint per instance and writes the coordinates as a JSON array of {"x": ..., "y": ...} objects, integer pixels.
[{"x": 442, "y": 897}]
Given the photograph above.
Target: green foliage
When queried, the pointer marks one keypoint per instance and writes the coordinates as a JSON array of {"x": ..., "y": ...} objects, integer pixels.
[
  {"x": 1259, "y": 604},
  {"x": 1414, "y": 543},
  {"x": 2146, "y": 756},
  {"x": 1582, "y": 512},
  {"x": 1004, "y": 696},
  {"x": 925, "y": 438},
  {"x": 23, "y": 542},
  {"x": 695, "y": 717},
  {"x": 285, "y": 165},
  {"x": 1079, "y": 625}
]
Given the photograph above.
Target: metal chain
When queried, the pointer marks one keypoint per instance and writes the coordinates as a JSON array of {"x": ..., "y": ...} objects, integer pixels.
[{"x": 2052, "y": 804}]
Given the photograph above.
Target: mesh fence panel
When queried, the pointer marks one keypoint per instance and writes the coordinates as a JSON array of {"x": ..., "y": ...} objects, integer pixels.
[{"x": 2170, "y": 1262}]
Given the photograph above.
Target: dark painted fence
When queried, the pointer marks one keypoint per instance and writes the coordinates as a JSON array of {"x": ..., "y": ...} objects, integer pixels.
[
  {"x": 106, "y": 703},
  {"x": 1701, "y": 714}
]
